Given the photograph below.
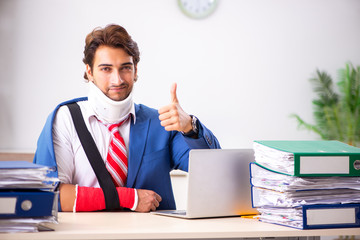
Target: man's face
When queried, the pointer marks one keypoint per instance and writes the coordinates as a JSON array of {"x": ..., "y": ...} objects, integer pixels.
[{"x": 113, "y": 72}]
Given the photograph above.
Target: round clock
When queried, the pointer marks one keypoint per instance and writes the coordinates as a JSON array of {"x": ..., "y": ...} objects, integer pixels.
[{"x": 198, "y": 9}]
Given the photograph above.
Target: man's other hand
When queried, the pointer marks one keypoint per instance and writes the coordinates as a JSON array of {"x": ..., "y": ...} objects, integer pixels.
[
  {"x": 148, "y": 200},
  {"x": 173, "y": 117}
]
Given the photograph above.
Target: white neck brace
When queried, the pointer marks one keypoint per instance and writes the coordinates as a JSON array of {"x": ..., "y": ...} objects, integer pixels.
[{"x": 106, "y": 109}]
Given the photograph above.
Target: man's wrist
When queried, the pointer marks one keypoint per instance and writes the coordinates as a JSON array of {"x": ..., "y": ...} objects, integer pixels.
[{"x": 195, "y": 128}]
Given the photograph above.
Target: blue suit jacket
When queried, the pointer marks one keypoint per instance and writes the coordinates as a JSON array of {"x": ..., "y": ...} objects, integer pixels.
[{"x": 153, "y": 151}]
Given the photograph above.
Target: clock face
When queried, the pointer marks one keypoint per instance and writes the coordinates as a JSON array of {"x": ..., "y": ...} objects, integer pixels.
[{"x": 198, "y": 8}]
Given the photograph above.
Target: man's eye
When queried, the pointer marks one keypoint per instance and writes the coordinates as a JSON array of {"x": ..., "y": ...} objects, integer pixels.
[
  {"x": 126, "y": 68},
  {"x": 105, "y": 69}
]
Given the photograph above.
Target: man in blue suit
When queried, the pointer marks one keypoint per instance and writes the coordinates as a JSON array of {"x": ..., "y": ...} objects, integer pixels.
[{"x": 153, "y": 142}]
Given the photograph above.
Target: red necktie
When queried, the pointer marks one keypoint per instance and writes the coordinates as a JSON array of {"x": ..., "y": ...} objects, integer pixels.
[{"x": 117, "y": 162}]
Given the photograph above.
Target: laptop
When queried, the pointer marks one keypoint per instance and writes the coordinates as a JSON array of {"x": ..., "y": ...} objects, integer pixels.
[{"x": 218, "y": 184}]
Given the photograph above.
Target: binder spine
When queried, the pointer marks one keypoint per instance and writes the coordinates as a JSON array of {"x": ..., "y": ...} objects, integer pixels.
[
  {"x": 331, "y": 216},
  {"x": 26, "y": 204}
]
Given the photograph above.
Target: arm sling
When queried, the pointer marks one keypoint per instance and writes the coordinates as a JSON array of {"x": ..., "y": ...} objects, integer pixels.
[{"x": 97, "y": 163}]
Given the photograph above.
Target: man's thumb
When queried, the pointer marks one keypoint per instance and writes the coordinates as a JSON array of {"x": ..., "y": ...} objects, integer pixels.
[{"x": 173, "y": 93}]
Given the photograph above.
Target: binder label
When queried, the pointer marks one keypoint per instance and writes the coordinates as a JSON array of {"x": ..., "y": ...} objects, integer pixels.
[
  {"x": 331, "y": 216},
  {"x": 324, "y": 165},
  {"x": 7, "y": 205}
]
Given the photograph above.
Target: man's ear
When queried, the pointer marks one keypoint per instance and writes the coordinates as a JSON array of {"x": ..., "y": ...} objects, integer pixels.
[
  {"x": 89, "y": 73},
  {"x": 135, "y": 75}
]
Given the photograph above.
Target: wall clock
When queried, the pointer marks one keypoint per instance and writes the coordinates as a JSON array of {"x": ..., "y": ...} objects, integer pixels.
[{"x": 198, "y": 9}]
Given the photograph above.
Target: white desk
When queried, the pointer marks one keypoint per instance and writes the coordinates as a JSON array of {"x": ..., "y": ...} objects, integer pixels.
[{"x": 128, "y": 225}]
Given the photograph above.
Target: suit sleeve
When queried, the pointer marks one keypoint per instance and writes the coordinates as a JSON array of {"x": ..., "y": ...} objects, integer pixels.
[
  {"x": 181, "y": 146},
  {"x": 206, "y": 139}
]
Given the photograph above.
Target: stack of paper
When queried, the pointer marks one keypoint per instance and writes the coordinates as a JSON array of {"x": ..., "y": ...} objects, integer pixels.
[
  {"x": 28, "y": 197},
  {"x": 294, "y": 182},
  {"x": 22, "y": 174}
]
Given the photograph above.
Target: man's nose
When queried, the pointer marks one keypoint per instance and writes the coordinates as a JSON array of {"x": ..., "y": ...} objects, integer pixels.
[{"x": 116, "y": 78}]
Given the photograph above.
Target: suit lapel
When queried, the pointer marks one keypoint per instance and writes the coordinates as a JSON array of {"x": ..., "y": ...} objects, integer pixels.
[{"x": 138, "y": 137}]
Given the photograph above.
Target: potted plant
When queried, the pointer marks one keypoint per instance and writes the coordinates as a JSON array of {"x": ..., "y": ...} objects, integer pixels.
[{"x": 336, "y": 115}]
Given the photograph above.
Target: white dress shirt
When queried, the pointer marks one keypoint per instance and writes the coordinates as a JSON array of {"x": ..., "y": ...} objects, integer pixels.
[{"x": 73, "y": 164}]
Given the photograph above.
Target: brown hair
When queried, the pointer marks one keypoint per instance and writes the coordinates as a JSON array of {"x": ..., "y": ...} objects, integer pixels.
[{"x": 113, "y": 36}]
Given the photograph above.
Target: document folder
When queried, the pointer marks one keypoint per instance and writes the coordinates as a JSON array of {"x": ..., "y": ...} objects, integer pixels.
[
  {"x": 22, "y": 203},
  {"x": 265, "y": 178},
  {"x": 26, "y": 175},
  {"x": 19, "y": 165},
  {"x": 315, "y": 216},
  {"x": 335, "y": 216},
  {"x": 262, "y": 197},
  {"x": 309, "y": 158}
]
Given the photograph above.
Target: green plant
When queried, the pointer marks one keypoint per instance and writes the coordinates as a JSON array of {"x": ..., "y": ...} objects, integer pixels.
[{"x": 337, "y": 115}]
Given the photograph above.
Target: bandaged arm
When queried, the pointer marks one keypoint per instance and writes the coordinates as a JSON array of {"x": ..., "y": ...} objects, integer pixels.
[{"x": 87, "y": 199}]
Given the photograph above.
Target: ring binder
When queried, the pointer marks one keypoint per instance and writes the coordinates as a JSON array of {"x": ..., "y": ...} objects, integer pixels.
[
  {"x": 309, "y": 158},
  {"x": 306, "y": 184},
  {"x": 26, "y": 203}
]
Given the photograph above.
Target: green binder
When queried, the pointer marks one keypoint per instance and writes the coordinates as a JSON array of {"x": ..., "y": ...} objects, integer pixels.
[{"x": 309, "y": 158}]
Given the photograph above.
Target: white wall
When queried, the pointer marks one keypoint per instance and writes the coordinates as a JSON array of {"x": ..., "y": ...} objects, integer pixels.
[{"x": 242, "y": 71}]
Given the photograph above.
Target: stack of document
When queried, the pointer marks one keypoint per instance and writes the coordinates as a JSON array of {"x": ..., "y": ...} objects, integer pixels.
[
  {"x": 306, "y": 184},
  {"x": 28, "y": 197}
]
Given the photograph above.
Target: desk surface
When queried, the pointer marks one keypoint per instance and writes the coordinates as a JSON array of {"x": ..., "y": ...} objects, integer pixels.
[{"x": 129, "y": 225}]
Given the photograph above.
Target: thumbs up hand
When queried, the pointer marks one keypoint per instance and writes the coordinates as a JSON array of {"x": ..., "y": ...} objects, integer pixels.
[{"x": 173, "y": 117}]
